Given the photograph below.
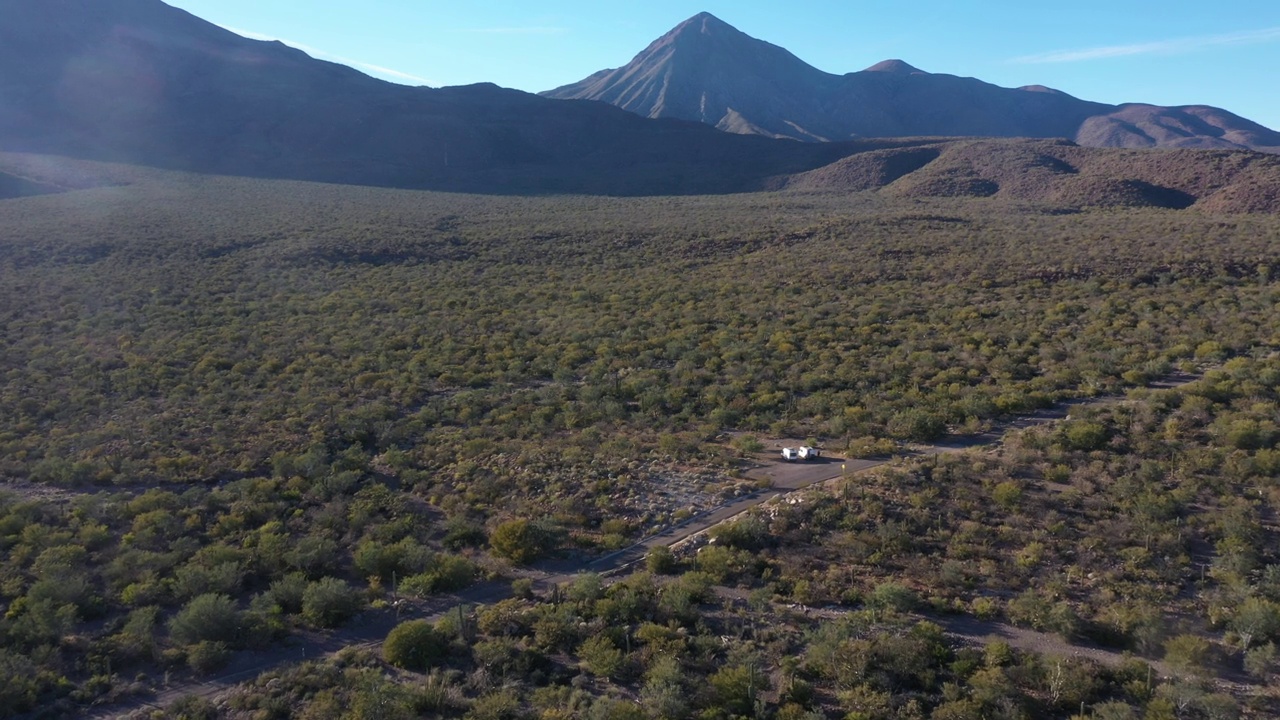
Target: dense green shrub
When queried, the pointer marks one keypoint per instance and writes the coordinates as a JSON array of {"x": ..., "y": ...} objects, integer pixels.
[
  {"x": 414, "y": 645},
  {"x": 520, "y": 541},
  {"x": 660, "y": 560},
  {"x": 329, "y": 602},
  {"x": 288, "y": 592},
  {"x": 210, "y": 617},
  {"x": 207, "y": 656}
]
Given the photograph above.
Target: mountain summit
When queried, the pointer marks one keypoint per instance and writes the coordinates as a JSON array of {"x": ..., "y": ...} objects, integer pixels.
[
  {"x": 707, "y": 70},
  {"x": 897, "y": 67}
]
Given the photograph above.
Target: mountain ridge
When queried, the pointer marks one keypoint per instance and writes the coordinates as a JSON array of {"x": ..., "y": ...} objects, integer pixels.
[
  {"x": 141, "y": 82},
  {"x": 707, "y": 71}
]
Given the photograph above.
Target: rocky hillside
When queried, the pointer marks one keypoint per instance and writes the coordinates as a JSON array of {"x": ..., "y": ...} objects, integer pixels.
[{"x": 1060, "y": 173}]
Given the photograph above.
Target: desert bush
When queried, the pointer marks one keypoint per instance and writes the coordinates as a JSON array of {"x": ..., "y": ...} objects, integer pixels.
[
  {"x": 207, "y": 618},
  {"x": 207, "y": 656},
  {"x": 329, "y": 602},
  {"x": 414, "y": 645}
]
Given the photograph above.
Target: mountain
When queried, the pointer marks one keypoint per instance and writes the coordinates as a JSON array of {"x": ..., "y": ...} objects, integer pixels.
[
  {"x": 137, "y": 82},
  {"x": 708, "y": 71},
  {"x": 140, "y": 82}
]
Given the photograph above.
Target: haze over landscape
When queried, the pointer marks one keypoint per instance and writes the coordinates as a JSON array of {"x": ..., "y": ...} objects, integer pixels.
[{"x": 683, "y": 379}]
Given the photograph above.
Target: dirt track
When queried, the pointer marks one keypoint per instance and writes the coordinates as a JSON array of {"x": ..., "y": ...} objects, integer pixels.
[
  {"x": 971, "y": 631},
  {"x": 979, "y": 632}
]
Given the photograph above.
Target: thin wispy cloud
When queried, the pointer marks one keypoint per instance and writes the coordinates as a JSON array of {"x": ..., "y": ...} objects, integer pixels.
[
  {"x": 536, "y": 30},
  {"x": 1178, "y": 46},
  {"x": 323, "y": 55}
]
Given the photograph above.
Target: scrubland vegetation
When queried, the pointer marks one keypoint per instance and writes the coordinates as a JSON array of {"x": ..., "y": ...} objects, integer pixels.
[
  {"x": 1145, "y": 528},
  {"x": 234, "y": 411}
]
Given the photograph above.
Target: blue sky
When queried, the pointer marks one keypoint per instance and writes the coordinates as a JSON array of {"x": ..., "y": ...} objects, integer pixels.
[{"x": 1174, "y": 52}]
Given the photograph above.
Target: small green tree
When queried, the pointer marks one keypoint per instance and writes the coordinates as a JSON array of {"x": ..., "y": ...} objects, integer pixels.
[
  {"x": 452, "y": 572},
  {"x": 193, "y": 707},
  {"x": 613, "y": 709},
  {"x": 329, "y": 602},
  {"x": 735, "y": 688},
  {"x": 1187, "y": 653},
  {"x": 205, "y": 657},
  {"x": 414, "y": 645},
  {"x": 660, "y": 560},
  {"x": 287, "y": 592},
  {"x": 1182, "y": 697},
  {"x": 719, "y": 562},
  {"x": 1260, "y": 661},
  {"x": 497, "y": 705},
  {"x": 1256, "y": 619},
  {"x": 1007, "y": 494},
  {"x": 314, "y": 555},
  {"x": 587, "y": 587},
  {"x": 601, "y": 657},
  {"x": 210, "y": 617},
  {"x": 19, "y": 686},
  {"x": 664, "y": 692},
  {"x": 1085, "y": 435},
  {"x": 892, "y": 596},
  {"x": 519, "y": 541},
  {"x": 137, "y": 639},
  {"x": 1219, "y": 706},
  {"x": 917, "y": 424}
]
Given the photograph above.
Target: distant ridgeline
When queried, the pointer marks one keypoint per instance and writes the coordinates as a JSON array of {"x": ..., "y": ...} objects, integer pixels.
[{"x": 708, "y": 71}]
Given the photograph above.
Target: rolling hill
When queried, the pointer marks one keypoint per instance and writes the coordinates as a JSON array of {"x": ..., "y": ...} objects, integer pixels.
[
  {"x": 1060, "y": 173},
  {"x": 708, "y": 71}
]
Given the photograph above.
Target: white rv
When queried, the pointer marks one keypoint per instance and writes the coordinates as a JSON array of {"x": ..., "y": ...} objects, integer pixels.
[{"x": 800, "y": 453}]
